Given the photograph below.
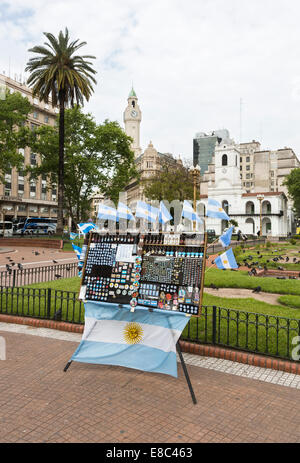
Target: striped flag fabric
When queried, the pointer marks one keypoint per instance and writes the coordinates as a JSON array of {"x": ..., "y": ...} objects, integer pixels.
[
  {"x": 189, "y": 213},
  {"x": 146, "y": 211},
  {"x": 73, "y": 236},
  {"x": 77, "y": 250},
  {"x": 86, "y": 227},
  {"x": 107, "y": 212},
  {"x": 215, "y": 210},
  {"x": 124, "y": 212},
  {"x": 226, "y": 260},
  {"x": 225, "y": 239},
  {"x": 141, "y": 339},
  {"x": 164, "y": 214}
]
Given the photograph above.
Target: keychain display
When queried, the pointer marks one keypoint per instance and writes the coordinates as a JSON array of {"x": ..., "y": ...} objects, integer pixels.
[{"x": 158, "y": 271}]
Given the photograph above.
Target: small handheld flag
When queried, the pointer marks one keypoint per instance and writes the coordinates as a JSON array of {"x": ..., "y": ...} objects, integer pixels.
[
  {"x": 226, "y": 260},
  {"x": 215, "y": 210},
  {"x": 107, "y": 212},
  {"x": 86, "y": 227},
  {"x": 77, "y": 250},
  {"x": 145, "y": 211},
  {"x": 124, "y": 212},
  {"x": 189, "y": 213},
  {"x": 164, "y": 214},
  {"x": 225, "y": 239},
  {"x": 73, "y": 236}
]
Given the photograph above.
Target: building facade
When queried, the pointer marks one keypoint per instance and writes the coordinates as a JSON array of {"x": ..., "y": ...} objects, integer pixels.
[
  {"x": 19, "y": 196},
  {"x": 204, "y": 147}
]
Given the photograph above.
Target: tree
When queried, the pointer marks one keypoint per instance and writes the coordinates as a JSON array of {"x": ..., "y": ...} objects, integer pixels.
[
  {"x": 292, "y": 182},
  {"x": 96, "y": 156},
  {"x": 173, "y": 181},
  {"x": 65, "y": 77},
  {"x": 14, "y": 109}
]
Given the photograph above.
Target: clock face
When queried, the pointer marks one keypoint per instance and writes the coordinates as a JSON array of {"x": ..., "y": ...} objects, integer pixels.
[{"x": 134, "y": 113}]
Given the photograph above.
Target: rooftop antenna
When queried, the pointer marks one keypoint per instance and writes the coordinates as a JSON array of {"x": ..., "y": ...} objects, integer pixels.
[{"x": 241, "y": 104}]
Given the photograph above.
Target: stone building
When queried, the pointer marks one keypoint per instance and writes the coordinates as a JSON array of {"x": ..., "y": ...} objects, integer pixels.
[{"x": 20, "y": 197}]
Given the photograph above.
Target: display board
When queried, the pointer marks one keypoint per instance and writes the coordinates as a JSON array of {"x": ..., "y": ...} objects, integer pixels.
[{"x": 160, "y": 270}]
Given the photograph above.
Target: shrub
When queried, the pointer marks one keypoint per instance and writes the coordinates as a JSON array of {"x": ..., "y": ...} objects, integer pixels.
[{"x": 293, "y": 241}]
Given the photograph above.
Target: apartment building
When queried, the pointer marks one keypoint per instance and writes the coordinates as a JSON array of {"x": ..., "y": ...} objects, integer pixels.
[{"x": 19, "y": 196}]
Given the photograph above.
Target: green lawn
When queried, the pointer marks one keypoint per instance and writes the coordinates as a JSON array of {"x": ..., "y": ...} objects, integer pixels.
[
  {"x": 268, "y": 253},
  {"x": 290, "y": 301},
  {"x": 241, "y": 279}
]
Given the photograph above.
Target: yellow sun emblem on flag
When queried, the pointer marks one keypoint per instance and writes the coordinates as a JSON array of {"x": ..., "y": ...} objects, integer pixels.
[
  {"x": 220, "y": 209},
  {"x": 133, "y": 333}
]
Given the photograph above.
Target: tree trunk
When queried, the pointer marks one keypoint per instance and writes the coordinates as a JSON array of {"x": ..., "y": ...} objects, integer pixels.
[{"x": 60, "y": 186}]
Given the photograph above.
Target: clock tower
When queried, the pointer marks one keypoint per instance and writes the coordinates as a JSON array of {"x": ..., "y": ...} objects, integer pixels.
[{"x": 132, "y": 120}]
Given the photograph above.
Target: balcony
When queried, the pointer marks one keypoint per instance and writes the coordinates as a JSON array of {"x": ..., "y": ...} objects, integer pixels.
[{"x": 11, "y": 198}]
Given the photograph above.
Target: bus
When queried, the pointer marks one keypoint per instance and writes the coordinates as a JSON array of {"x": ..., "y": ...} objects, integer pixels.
[
  {"x": 37, "y": 226},
  {"x": 6, "y": 228}
]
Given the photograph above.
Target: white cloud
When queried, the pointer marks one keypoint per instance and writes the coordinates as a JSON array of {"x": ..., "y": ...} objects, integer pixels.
[{"x": 190, "y": 61}]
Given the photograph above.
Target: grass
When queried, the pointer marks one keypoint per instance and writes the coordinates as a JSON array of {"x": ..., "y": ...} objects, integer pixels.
[
  {"x": 241, "y": 279},
  {"x": 290, "y": 301},
  {"x": 268, "y": 253},
  {"x": 67, "y": 245}
]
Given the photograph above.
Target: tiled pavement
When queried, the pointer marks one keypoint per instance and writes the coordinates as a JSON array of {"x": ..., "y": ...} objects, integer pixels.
[{"x": 95, "y": 403}]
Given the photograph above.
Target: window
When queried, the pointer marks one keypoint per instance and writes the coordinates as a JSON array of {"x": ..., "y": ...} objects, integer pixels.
[
  {"x": 33, "y": 209},
  {"x": 35, "y": 115},
  {"x": 45, "y": 210},
  {"x": 248, "y": 176},
  {"x": 224, "y": 160},
  {"x": 240, "y": 167},
  {"x": 22, "y": 208},
  {"x": 46, "y": 119},
  {"x": 241, "y": 159},
  {"x": 33, "y": 127},
  {"x": 35, "y": 101},
  {"x": 33, "y": 159},
  {"x": 21, "y": 187},
  {"x": 248, "y": 159},
  {"x": 247, "y": 167},
  {"x": 272, "y": 173}
]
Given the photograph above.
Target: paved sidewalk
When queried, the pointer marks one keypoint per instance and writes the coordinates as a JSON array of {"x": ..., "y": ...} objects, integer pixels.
[
  {"x": 95, "y": 403},
  {"x": 44, "y": 258}
]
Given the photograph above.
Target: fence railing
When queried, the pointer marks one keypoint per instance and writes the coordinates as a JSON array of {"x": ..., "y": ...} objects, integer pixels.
[
  {"x": 28, "y": 276},
  {"x": 253, "y": 332}
]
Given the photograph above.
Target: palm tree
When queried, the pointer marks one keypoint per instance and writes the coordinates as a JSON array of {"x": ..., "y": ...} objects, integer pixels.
[{"x": 64, "y": 77}]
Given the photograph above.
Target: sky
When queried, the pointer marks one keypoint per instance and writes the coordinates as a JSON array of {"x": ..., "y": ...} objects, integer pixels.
[{"x": 196, "y": 65}]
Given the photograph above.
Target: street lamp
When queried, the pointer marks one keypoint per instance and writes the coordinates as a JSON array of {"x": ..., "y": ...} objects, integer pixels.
[
  {"x": 195, "y": 171},
  {"x": 260, "y": 198}
]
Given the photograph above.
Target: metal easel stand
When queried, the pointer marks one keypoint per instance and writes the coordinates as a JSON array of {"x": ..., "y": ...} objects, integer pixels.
[{"x": 186, "y": 373}]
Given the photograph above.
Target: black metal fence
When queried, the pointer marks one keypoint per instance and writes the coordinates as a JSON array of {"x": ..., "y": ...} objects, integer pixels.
[
  {"x": 248, "y": 331},
  {"x": 28, "y": 276}
]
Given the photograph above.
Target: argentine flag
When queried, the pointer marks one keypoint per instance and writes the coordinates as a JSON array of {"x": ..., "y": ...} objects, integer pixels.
[
  {"x": 124, "y": 212},
  {"x": 86, "y": 227},
  {"x": 226, "y": 237},
  {"x": 141, "y": 340},
  {"x": 189, "y": 213},
  {"x": 215, "y": 210},
  {"x": 145, "y": 211},
  {"x": 73, "y": 236},
  {"x": 164, "y": 214},
  {"x": 77, "y": 250},
  {"x": 226, "y": 260},
  {"x": 107, "y": 212}
]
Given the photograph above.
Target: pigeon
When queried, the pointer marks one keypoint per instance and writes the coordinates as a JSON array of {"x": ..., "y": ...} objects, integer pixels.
[
  {"x": 250, "y": 274},
  {"x": 36, "y": 253},
  {"x": 287, "y": 259},
  {"x": 22, "y": 258},
  {"x": 280, "y": 278},
  {"x": 20, "y": 266},
  {"x": 258, "y": 252},
  {"x": 254, "y": 271},
  {"x": 7, "y": 267},
  {"x": 292, "y": 278},
  {"x": 57, "y": 276},
  {"x": 280, "y": 268},
  {"x": 257, "y": 289},
  {"x": 55, "y": 261},
  {"x": 68, "y": 269},
  {"x": 295, "y": 258},
  {"x": 12, "y": 263}
]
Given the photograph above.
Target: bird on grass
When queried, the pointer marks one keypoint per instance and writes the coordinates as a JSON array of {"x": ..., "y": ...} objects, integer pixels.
[
  {"x": 213, "y": 286},
  {"x": 292, "y": 278},
  {"x": 57, "y": 276},
  {"x": 257, "y": 289},
  {"x": 287, "y": 259},
  {"x": 280, "y": 268}
]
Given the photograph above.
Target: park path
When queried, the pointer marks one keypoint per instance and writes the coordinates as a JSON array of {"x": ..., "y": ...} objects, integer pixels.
[{"x": 270, "y": 298}]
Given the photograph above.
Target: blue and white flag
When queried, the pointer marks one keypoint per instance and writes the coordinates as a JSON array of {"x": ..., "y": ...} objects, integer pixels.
[
  {"x": 86, "y": 227},
  {"x": 124, "y": 212},
  {"x": 107, "y": 212},
  {"x": 225, "y": 239},
  {"x": 141, "y": 340},
  {"x": 77, "y": 250},
  {"x": 226, "y": 260},
  {"x": 73, "y": 236},
  {"x": 189, "y": 213},
  {"x": 164, "y": 214},
  {"x": 145, "y": 211},
  {"x": 215, "y": 210}
]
